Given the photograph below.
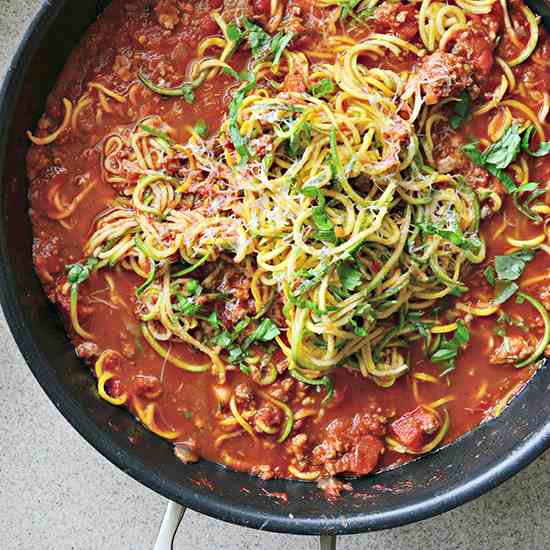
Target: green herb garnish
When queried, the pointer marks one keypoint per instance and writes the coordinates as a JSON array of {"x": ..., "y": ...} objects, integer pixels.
[
  {"x": 461, "y": 110},
  {"x": 323, "y": 88},
  {"x": 498, "y": 156}
]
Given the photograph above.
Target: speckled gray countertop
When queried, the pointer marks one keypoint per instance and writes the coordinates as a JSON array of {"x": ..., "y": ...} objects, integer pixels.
[{"x": 57, "y": 493}]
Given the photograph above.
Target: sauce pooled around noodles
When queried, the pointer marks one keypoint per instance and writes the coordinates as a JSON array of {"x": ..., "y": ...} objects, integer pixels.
[{"x": 301, "y": 238}]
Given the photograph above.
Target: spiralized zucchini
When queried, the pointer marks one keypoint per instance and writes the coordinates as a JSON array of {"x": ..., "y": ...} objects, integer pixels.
[{"x": 327, "y": 201}]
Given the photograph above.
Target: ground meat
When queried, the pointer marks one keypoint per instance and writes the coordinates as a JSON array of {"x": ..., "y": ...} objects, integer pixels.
[
  {"x": 264, "y": 471},
  {"x": 544, "y": 297},
  {"x": 449, "y": 159},
  {"x": 122, "y": 68},
  {"x": 267, "y": 416},
  {"x": 87, "y": 350},
  {"x": 232, "y": 311},
  {"x": 234, "y": 10},
  {"x": 147, "y": 386},
  {"x": 412, "y": 429},
  {"x": 512, "y": 348},
  {"x": 367, "y": 423},
  {"x": 294, "y": 22},
  {"x": 298, "y": 445},
  {"x": 397, "y": 19},
  {"x": 351, "y": 446},
  {"x": 443, "y": 75},
  {"x": 112, "y": 361},
  {"x": 128, "y": 349},
  {"x": 332, "y": 488},
  {"x": 476, "y": 46},
  {"x": 38, "y": 160},
  {"x": 362, "y": 459},
  {"x": 235, "y": 283},
  {"x": 167, "y": 13},
  {"x": 47, "y": 261},
  {"x": 295, "y": 80},
  {"x": 244, "y": 395},
  {"x": 283, "y": 390},
  {"x": 113, "y": 387},
  {"x": 187, "y": 451}
]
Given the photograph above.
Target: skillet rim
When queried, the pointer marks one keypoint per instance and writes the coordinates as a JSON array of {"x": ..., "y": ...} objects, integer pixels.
[{"x": 210, "y": 504}]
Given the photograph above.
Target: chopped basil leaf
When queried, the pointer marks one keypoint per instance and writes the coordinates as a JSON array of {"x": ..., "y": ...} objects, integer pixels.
[
  {"x": 263, "y": 45},
  {"x": 201, "y": 128},
  {"x": 510, "y": 267},
  {"x": 529, "y": 186},
  {"x": 503, "y": 152},
  {"x": 490, "y": 275},
  {"x": 498, "y": 156},
  {"x": 325, "y": 227},
  {"x": 224, "y": 339},
  {"x": 194, "y": 287},
  {"x": 312, "y": 278},
  {"x": 187, "y": 93},
  {"x": 258, "y": 39},
  {"x": 236, "y": 354},
  {"x": 505, "y": 290},
  {"x": 186, "y": 306},
  {"x": 266, "y": 331},
  {"x": 234, "y": 106},
  {"x": 448, "y": 349},
  {"x": 444, "y": 355},
  {"x": 300, "y": 137},
  {"x": 278, "y": 45},
  {"x": 347, "y": 8},
  {"x": 314, "y": 193},
  {"x": 234, "y": 33},
  {"x": 523, "y": 205},
  {"x": 454, "y": 236},
  {"x": 461, "y": 110},
  {"x": 213, "y": 319},
  {"x": 323, "y": 88},
  {"x": 350, "y": 277},
  {"x": 461, "y": 336}
]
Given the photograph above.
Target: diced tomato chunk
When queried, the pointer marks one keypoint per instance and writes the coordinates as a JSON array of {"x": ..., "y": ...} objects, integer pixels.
[
  {"x": 407, "y": 431},
  {"x": 412, "y": 428},
  {"x": 363, "y": 458}
]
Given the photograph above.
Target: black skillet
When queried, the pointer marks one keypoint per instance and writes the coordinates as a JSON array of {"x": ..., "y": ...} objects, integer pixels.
[{"x": 474, "y": 464}]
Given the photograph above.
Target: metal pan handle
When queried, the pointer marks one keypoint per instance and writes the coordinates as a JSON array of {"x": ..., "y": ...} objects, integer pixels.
[
  {"x": 172, "y": 519},
  {"x": 170, "y": 523},
  {"x": 327, "y": 542}
]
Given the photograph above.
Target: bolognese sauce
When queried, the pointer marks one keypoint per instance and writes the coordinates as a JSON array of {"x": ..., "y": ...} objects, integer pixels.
[{"x": 301, "y": 238}]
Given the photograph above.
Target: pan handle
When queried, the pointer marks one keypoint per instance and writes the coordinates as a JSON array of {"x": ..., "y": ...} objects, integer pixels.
[
  {"x": 170, "y": 523},
  {"x": 327, "y": 542},
  {"x": 172, "y": 519}
]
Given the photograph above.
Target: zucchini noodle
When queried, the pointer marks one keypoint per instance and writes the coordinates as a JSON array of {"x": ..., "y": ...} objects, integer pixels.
[{"x": 338, "y": 215}]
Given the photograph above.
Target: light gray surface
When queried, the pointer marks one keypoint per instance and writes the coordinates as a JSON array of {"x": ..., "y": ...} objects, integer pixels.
[{"x": 57, "y": 493}]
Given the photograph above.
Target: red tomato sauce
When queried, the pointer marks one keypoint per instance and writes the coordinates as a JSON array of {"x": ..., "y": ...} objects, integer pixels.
[{"x": 160, "y": 38}]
